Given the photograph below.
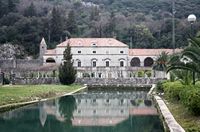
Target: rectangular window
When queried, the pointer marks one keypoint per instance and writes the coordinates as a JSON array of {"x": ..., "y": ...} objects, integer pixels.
[
  {"x": 94, "y": 64},
  {"x": 107, "y": 63},
  {"x": 121, "y": 52},
  {"x": 121, "y": 64},
  {"x": 94, "y": 52},
  {"x": 79, "y": 64},
  {"x": 100, "y": 75},
  {"x": 92, "y": 75},
  {"x": 79, "y": 52}
]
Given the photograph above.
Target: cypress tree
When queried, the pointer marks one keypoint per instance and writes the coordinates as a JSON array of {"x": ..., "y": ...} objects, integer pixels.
[
  {"x": 56, "y": 25},
  {"x": 71, "y": 23},
  {"x": 30, "y": 11},
  {"x": 67, "y": 73}
]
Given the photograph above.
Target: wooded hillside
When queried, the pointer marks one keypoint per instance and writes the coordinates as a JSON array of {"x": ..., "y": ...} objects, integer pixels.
[{"x": 138, "y": 23}]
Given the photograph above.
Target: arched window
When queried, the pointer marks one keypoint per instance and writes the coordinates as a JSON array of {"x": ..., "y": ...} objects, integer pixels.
[
  {"x": 94, "y": 62},
  {"x": 121, "y": 63},
  {"x": 148, "y": 62},
  {"x": 50, "y": 60},
  {"x": 148, "y": 103},
  {"x": 79, "y": 64},
  {"x": 135, "y": 62}
]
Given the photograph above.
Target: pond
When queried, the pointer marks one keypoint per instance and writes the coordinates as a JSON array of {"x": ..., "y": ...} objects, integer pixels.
[{"x": 91, "y": 111}]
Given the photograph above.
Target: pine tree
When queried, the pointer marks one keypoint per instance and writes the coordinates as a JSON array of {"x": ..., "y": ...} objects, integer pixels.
[{"x": 67, "y": 73}]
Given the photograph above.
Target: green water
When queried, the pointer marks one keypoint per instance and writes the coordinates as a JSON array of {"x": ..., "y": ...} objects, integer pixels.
[{"x": 86, "y": 112}]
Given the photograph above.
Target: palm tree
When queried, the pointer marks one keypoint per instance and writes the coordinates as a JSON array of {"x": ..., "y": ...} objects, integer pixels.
[
  {"x": 188, "y": 59},
  {"x": 160, "y": 63},
  {"x": 184, "y": 76}
]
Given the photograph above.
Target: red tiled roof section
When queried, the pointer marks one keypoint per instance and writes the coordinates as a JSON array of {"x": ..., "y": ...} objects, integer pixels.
[
  {"x": 150, "y": 52},
  {"x": 143, "y": 111},
  {"x": 88, "y": 42},
  {"x": 50, "y": 52},
  {"x": 100, "y": 121}
]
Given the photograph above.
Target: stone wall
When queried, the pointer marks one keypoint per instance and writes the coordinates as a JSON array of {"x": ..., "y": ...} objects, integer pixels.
[
  {"x": 28, "y": 63},
  {"x": 117, "y": 82},
  {"x": 6, "y": 64},
  {"x": 20, "y": 64},
  {"x": 35, "y": 81},
  {"x": 88, "y": 81}
]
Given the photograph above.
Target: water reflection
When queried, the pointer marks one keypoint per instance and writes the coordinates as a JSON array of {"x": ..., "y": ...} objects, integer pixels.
[
  {"x": 89, "y": 112},
  {"x": 67, "y": 105}
]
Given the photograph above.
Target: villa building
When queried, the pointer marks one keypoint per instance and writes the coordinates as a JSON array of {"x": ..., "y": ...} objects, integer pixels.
[{"x": 102, "y": 57}]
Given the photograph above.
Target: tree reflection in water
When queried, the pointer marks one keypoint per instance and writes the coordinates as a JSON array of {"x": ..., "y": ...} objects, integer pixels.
[{"x": 67, "y": 105}]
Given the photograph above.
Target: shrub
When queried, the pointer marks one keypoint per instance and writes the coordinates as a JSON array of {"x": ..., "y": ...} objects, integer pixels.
[
  {"x": 197, "y": 85},
  {"x": 190, "y": 97},
  {"x": 159, "y": 86},
  {"x": 141, "y": 74},
  {"x": 6, "y": 80},
  {"x": 148, "y": 73},
  {"x": 172, "y": 90},
  {"x": 86, "y": 75}
]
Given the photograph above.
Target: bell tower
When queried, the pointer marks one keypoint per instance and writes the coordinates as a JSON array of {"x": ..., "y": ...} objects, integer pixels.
[{"x": 43, "y": 48}]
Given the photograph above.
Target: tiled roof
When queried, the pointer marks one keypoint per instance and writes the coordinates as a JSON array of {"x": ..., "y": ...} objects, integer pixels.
[
  {"x": 50, "y": 52},
  {"x": 150, "y": 52},
  {"x": 88, "y": 42}
]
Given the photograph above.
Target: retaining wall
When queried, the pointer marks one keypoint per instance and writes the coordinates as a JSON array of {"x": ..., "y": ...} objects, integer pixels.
[
  {"x": 20, "y": 64},
  {"x": 90, "y": 81}
]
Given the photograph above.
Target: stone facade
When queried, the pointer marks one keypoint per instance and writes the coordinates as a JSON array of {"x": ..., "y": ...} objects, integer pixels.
[{"x": 103, "y": 57}]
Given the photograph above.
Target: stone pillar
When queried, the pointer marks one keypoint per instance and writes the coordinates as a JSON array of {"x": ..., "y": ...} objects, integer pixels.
[
  {"x": 142, "y": 63},
  {"x": 38, "y": 74}
]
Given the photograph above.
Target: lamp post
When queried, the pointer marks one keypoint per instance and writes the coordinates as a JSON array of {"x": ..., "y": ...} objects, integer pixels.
[{"x": 191, "y": 19}]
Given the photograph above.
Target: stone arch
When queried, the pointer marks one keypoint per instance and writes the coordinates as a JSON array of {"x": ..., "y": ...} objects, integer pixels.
[
  {"x": 148, "y": 62},
  {"x": 135, "y": 62},
  {"x": 148, "y": 103},
  {"x": 50, "y": 60}
]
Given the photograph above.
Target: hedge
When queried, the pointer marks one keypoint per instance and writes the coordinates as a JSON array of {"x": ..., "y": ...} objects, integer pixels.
[
  {"x": 172, "y": 90},
  {"x": 189, "y": 95}
]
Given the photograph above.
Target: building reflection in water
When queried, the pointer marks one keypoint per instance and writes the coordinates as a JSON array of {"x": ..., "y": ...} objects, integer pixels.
[
  {"x": 98, "y": 109},
  {"x": 86, "y": 112}
]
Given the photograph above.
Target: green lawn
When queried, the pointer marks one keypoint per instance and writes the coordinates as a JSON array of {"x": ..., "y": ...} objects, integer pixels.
[
  {"x": 188, "y": 121},
  {"x": 22, "y": 93}
]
